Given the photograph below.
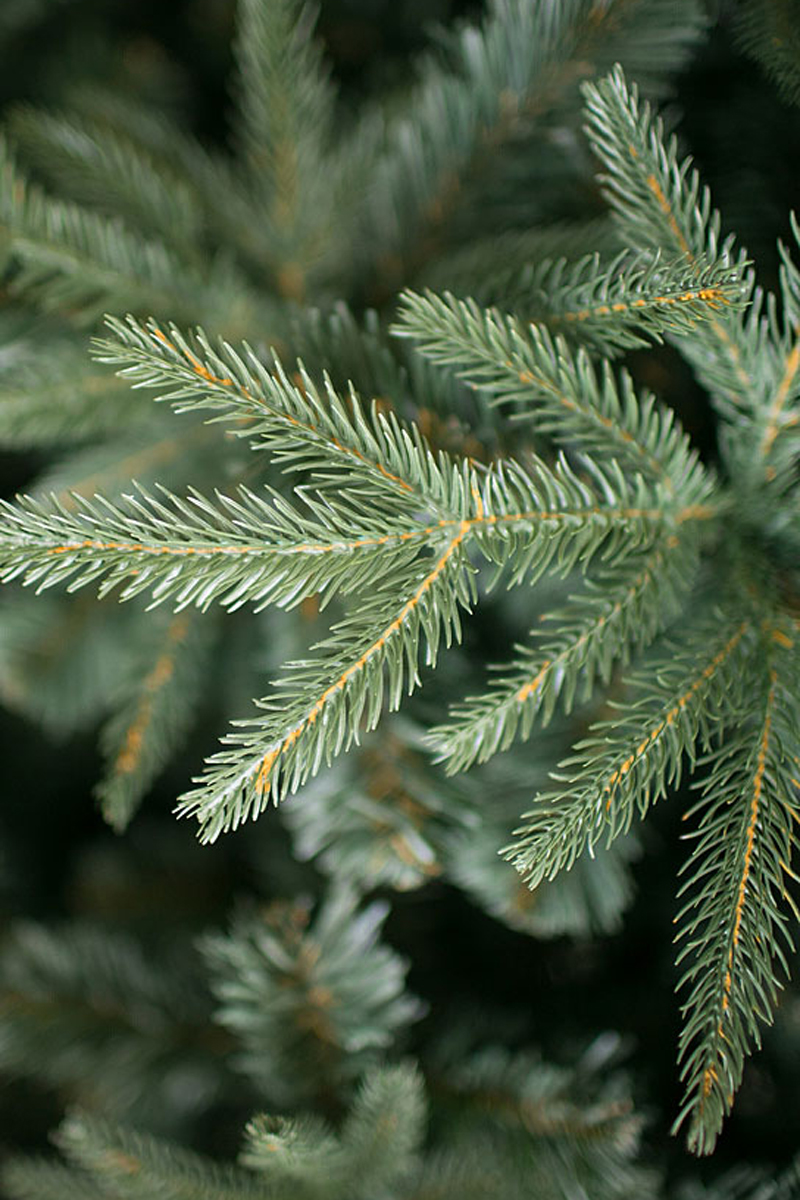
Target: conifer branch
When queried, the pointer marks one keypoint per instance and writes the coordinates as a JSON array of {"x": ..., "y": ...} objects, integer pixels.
[
  {"x": 658, "y": 202},
  {"x": 734, "y": 925},
  {"x": 155, "y": 714},
  {"x": 498, "y": 268},
  {"x": 321, "y": 706},
  {"x": 190, "y": 551},
  {"x": 137, "y": 1165},
  {"x": 777, "y": 423},
  {"x": 750, "y": 364},
  {"x": 767, "y": 30},
  {"x": 390, "y": 521},
  {"x": 536, "y": 521},
  {"x": 620, "y": 612},
  {"x": 109, "y": 170},
  {"x": 628, "y": 764},
  {"x": 298, "y": 992},
  {"x": 377, "y": 1146},
  {"x": 286, "y": 106},
  {"x": 41, "y": 1179},
  {"x": 249, "y": 549},
  {"x": 560, "y": 390},
  {"x": 382, "y": 817},
  {"x": 232, "y": 217},
  {"x": 60, "y": 397},
  {"x": 521, "y": 63},
  {"x": 620, "y": 304},
  {"x": 58, "y": 983},
  {"x": 306, "y": 428},
  {"x": 72, "y": 259}
]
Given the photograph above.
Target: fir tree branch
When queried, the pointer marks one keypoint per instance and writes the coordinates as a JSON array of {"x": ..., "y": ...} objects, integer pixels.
[
  {"x": 40, "y": 1179},
  {"x": 176, "y": 551},
  {"x": 498, "y": 268},
  {"x": 249, "y": 549},
  {"x": 153, "y": 717},
  {"x": 138, "y": 1167},
  {"x": 91, "y": 1013},
  {"x": 87, "y": 161},
  {"x": 776, "y": 419},
  {"x": 777, "y": 423},
  {"x": 535, "y": 520},
  {"x": 298, "y": 1153},
  {"x": 621, "y": 611},
  {"x": 323, "y": 703},
  {"x": 522, "y": 62},
  {"x": 286, "y": 105},
  {"x": 232, "y": 217},
  {"x": 562, "y": 391},
  {"x": 629, "y": 763},
  {"x": 377, "y": 1147},
  {"x": 658, "y": 202},
  {"x": 76, "y": 261},
  {"x": 621, "y": 303},
  {"x": 768, "y": 32},
  {"x": 750, "y": 363},
  {"x": 382, "y": 817},
  {"x": 734, "y": 925},
  {"x": 313, "y": 1001},
  {"x": 58, "y": 397},
  {"x": 307, "y": 429}
]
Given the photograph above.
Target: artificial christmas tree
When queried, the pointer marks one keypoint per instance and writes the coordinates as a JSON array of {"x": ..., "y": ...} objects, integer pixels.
[{"x": 345, "y": 491}]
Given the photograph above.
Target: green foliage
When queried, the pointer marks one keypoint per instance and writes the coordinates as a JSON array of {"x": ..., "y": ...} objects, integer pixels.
[
  {"x": 58, "y": 397},
  {"x": 533, "y": 518},
  {"x": 390, "y": 527},
  {"x": 286, "y": 107},
  {"x": 109, "y": 1023},
  {"x": 525, "y": 58},
  {"x": 533, "y": 1132},
  {"x": 680, "y": 699},
  {"x": 156, "y": 712},
  {"x": 606, "y": 306},
  {"x": 747, "y": 1184},
  {"x": 768, "y": 30},
  {"x": 590, "y": 899},
  {"x": 298, "y": 995},
  {"x": 71, "y": 259},
  {"x": 381, "y": 491},
  {"x": 122, "y": 1028},
  {"x": 736, "y": 889},
  {"x": 381, "y": 817},
  {"x": 108, "y": 205},
  {"x": 378, "y": 1145}
]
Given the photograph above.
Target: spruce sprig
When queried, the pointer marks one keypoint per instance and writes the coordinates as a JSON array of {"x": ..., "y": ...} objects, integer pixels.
[
  {"x": 109, "y": 205},
  {"x": 71, "y": 258},
  {"x": 561, "y": 391},
  {"x": 735, "y": 928},
  {"x": 618, "y": 613},
  {"x": 749, "y": 361},
  {"x": 687, "y": 698},
  {"x": 603, "y": 486},
  {"x": 526, "y": 519},
  {"x": 685, "y": 693}
]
